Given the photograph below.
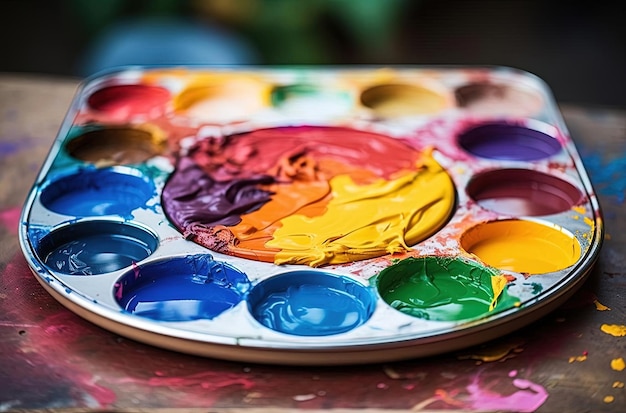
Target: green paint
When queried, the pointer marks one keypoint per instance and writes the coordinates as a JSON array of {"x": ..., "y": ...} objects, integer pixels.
[
  {"x": 537, "y": 288},
  {"x": 441, "y": 288},
  {"x": 284, "y": 94}
]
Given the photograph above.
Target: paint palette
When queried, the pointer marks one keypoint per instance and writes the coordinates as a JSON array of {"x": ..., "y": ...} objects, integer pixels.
[{"x": 312, "y": 215}]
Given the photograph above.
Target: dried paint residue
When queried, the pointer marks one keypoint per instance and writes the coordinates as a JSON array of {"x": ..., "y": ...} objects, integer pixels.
[
  {"x": 578, "y": 358},
  {"x": 614, "y": 329},
  {"x": 600, "y": 306},
  {"x": 618, "y": 364}
]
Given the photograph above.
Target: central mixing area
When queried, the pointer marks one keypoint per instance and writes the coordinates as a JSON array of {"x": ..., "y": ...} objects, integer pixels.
[{"x": 311, "y": 195}]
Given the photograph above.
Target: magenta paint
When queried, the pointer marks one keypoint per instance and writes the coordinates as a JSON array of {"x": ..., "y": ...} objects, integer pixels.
[
  {"x": 523, "y": 192},
  {"x": 181, "y": 289},
  {"x": 9, "y": 219},
  {"x": 98, "y": 192},
  {"x": 95, "y": 247},
  {"x": 309, "y": 303},
  {"x": 507, "y": 141}
]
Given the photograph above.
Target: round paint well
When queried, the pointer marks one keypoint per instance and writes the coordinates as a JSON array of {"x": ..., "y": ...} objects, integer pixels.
[
  {"x": 523, "y": 192},
  {"x": 115, "y": 146},
  {"x": 522, "y": 246},
  {"x": 394, "y": 100},
  {"x": 311, "y": 303},
  {"x": 505, "y": 141},
  {"x": 311, "y": 99},
  {"x": 442, "y": 288},
  {"x": 498, "y": 99},
  {"x": 223, "y": 100},
  {"x": 181, "y": 289},
  {"x": 95, "y": 247},
  {"x": 123, "y": 101},
  {"x": 97, "y": 192}
]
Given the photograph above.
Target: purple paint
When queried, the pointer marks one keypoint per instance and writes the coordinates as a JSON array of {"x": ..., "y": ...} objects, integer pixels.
[
  {"x": 309, "y": 303},
  {"x": 98, "y": 192},
  {"x": 95, "y": 247},
  {"x": 181, "y": 289},
  {"x": 523, "y": 192},
  {"x": 508, "y": 142}
]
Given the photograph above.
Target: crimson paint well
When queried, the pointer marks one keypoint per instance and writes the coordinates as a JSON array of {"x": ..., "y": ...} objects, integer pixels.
[
  {"x": 310, "y": 303},
  {"x": 505, "y": 141},
  {"x": 97, "y": 192},
  {"x": 115, "y": 146},
  {"x": 95, "y": 247},
  {"x": 523, "y": 192},
  {"x": 122, "y": 101},
  {"x": 181, "y": 289}
]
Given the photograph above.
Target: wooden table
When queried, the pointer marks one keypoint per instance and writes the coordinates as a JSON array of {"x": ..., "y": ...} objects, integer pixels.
[{"x": 50, "y": 359}]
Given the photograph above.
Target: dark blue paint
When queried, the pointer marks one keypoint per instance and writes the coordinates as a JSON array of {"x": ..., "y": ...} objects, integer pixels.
[
  {"x": 508, "y": 142},
  {"x": 308, "y": 303},
  {"x": 97, "y": 192},
  {"x": 181, "y": 289},
  {"x": 95, "y": 247}
]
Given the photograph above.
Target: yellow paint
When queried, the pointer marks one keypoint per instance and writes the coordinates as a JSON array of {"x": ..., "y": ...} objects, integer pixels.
[
  {"x": 614, "y": 329},
  {"x": 368, "y": 220},
  {"x": 580, "y": 209},
  {"x": 498, "y": 283},
  {"x": 600, "y": 306},
  {"x": 618, "y": 385},
  {"x": 521, "y": 246},
  {"x": 609, "y": 399},
  {"x": 577, "y": 359},
  {"x": 618, "y": 364}
]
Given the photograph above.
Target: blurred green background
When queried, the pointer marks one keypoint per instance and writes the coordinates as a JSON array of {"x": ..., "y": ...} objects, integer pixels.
[{"x": 577, "y": 48}]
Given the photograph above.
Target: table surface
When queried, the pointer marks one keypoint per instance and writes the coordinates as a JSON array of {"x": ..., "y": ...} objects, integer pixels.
[{"x": 54, "y": 360}]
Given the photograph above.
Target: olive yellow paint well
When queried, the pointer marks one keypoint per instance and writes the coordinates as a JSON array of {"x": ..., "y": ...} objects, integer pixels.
[{"x": 522, "y": 246}]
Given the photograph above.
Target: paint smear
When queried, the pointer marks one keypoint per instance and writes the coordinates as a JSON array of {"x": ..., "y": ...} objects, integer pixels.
[
  {"x": 308, "y": 195},
  {"x": 614, "y": 329},
  {"x": 521, "y": 246},
  {"x": 577, "y": 359},
  {"x": 442, "y": 289},
  {"x": 618, "y": 364},
  {"x": 9, "y": 219}
]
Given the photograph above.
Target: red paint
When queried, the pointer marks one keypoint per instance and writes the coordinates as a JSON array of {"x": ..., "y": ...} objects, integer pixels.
[{"x": 124, "y": 101}]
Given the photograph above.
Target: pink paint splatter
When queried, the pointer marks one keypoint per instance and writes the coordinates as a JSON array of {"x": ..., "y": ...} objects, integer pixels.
[
  {"x": 528, "y": 398},
  {"x": 9, "y": 219}
]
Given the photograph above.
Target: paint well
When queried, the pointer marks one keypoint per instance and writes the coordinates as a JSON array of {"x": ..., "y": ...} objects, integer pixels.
[
  {"x": 308, "y": 195},
  {"x": 443, "y": 288},
  {"x": 115, "y": 145},
  {"x": 312, "y": 100},
  {"x": 394, "y": 100},
  {"x": 95, "y": 247},
  {"x": 522, "y": 246},
  {"x": 98, "y": 192},
  {"x": 125, "y": 101},
  {"x": 493, "y": 99},
  {"x": 504, "y": 141},
  {"x": 223, "y": 99},
  {"x": 181, "y": 289},
  {"x": 523, "y": 192},
  {"x": 308, "y": 303}
]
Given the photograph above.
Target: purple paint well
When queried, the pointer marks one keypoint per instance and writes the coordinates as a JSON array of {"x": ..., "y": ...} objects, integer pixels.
[
  {"x": 523, "y": 192},
  {"x": 98, "y": 192},
  {"x": 95, "y": 247},
  {"x": 308, "y": 303},
  {"x": 505, "y": 141},
  {"x": 181, "y": 289}
]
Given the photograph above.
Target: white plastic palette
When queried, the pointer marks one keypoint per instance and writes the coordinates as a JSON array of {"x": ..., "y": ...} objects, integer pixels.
[{"x": 312, "y": 215}]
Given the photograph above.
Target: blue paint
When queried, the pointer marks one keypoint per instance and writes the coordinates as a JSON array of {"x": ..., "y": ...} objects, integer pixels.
[
  {"x": 181, "y": 289},
  {"x": 308, "y": 303},
  {"x": 607, "y": 176},
  {"x": 96, "y": 192},
  {"x": 95, "y": 247}
]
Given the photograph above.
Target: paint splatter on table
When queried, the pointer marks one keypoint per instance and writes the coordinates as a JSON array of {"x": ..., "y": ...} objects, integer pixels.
[{"x": 51, "y": 358}]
